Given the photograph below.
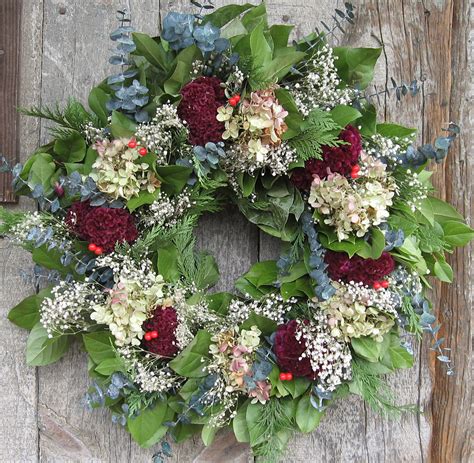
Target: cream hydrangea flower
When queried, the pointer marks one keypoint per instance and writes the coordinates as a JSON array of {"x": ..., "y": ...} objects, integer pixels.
[
  {"x": 356, "y": 310},
  {"x": 117, "y": 172},
  {"x": 127, "y": 307},
  {"x": 354, "y": 207}
]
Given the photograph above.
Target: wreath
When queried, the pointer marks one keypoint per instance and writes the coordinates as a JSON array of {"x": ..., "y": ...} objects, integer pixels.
[{"x": 223, "y": 108}]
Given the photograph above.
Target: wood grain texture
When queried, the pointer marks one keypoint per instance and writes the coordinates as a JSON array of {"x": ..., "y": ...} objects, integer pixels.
[
  {"x": 64, "y": 53},
  {"x": 10, "y": 34}
]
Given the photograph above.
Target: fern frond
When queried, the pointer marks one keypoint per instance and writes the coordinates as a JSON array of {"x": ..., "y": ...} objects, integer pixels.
[{"x": 320, "y": 130}]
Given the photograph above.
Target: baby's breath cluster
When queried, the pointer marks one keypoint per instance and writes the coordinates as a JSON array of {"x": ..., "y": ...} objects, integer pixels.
[
  {"x": 166, "y": 211},
  {"x": 411, "y": 190},
  {"x": 320, "y": 87},
  {"x": 271, "y": 306},
  {"x": 388, "y": 149},
  {"x": 330, "y": 358},
  {"x": 158, "y": 134},
  {"x": 69, "y": 308},
  {"x": 356, "y": 310}
]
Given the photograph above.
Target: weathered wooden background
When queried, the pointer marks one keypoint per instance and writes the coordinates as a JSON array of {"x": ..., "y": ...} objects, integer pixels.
[{"x": 64, "y": 51}]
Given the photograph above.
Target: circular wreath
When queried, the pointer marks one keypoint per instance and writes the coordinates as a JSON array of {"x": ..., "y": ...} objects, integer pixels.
[{"x": 221, "y": 108}]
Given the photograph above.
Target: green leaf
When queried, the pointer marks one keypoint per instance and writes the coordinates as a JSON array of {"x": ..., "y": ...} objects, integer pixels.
[
  {"x": 263, "y": 273},
  {"x": 280, "y": 34},
  {"x": 174, "y": 178},
  {"x": 260, "y": 49},
  {"x": 368, "y": 121},
  {"x": 255, "y": 16},
  {"x": 26, "y": 313},
  {"x": 367, "y": 348},
  {"x": 152, "y": 51},
  {"x": 188, "y": 363},
  {"x": 146, "y": 427},
  {"x": 302, "y": 287},
  {"x": 356, "y": 65},
  {"x": 41, "y": 170},
  {"x": 307, "y": 417},
  {"x": 294, "y": 120},
  {"x": 207, "y": 273},
  {"x": 341, "y": 246},
  {"x": 208, "y": 434},
  {"x": 395, "y": 130},
  {"x": 168, "y": 263},
  {"x": 239, "y": 424},
  {"x": 99, "y": 346},
  {"x": 457, "y": 233},
  {"x": 375, "y": 248},
  {"x": 109, "y": 366},
  {"x": 277, "y": 68},
  {"x": 344, "y": 115},
  {"x": 219, "y": 302},
  {"x": 297, "y": 386},
  {"x": 256, "y": 432},
  {"x": 225, "y": 14},
  {"x": 98, "y": 103},
  {"x": 71, "y": 149},
  {"x": 121, "y": 126},
  {"x": 400, "y": 358},
  {"x": 144, "y": 197},
  {"x": 182, "y": 72},
  {"x": 443, "y": 271},
  {"x": 246, "y": 183},
  {"x": 42, "y": 350},
  {"x": 444, "y": 212},
  {"x": 264, "y": 324}
]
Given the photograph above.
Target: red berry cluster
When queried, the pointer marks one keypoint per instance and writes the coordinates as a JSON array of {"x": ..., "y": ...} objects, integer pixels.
[
  {"x": 381, "y": 284},
  {"x": 234, "y": 101},
  {"x": 286, "y": 376},
  {"x": 355, "y": 171},
  {"x": 97, "y": 250},
  {"x": 133, "y": 144},
  {"x": 149, "y": 335}
]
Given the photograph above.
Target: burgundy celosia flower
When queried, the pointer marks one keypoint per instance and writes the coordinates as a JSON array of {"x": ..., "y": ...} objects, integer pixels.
[
  {"x": 367, "y": 271},
  {"x": 164, "y": 321},
  {"x": 198, "y": 107},
  {"x": 338, "y": 159},
  {"x": 101, "y": 225},
  {"x": 288, "y": 351}
]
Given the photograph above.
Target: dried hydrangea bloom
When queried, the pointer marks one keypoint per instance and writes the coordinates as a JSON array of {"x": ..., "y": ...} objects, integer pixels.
[
  {"x": 353, "y": 207},
  {"x": 356, "y": 310},
  {"x": 117, "y": 172}
]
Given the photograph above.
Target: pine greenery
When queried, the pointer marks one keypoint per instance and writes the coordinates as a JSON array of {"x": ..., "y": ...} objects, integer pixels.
[
  {"x": 72, "y": 118},
  {"x": 319, "y": 130}
]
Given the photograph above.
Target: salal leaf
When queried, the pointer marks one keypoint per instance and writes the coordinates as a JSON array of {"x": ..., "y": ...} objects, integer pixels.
[
  {"x": 146, "y": 428},
  {"x": 42, "y": 350},
  {"x": 307, "y": 417},
  {"x": 356, "y": 65},
  {"x": 26, "y": 313},
  {"x": 189, "y": 362}
]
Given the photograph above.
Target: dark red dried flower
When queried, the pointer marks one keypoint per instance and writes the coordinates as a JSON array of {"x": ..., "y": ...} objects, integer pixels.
[
  {"x": 101, "y": 225},
  {"x": 367, "y": 271},
  {"x": 338, "y": 159},
  {"x": 165, "y": 322},
  {"x": 198, "y": 107},
  {"x": 288, "y": 351}
]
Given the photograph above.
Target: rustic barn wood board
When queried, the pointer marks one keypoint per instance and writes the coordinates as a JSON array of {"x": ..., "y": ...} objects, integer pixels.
[{"x": 64, "y": 51}]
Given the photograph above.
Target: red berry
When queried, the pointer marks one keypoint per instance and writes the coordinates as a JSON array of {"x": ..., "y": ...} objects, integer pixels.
[
  {"x": 98, "y": 251},
  {"x": 142, "y": 151},
  {"x": 289, "y": 376},
  {"x": 132, "y": 143},
  {"x": 283, "y": 376},
  {"x": 233, "y": 101},
  {"x": 237, "y": 98},
  {"x": 148, "y": 336},
  {"x": 354, "y": 175},
  {"x": 377, "y": 285},
  {"x": 356, "y": 168},
  {"x": 154, "y": 334},
  {"x": 92, "y": 247},
  {"x": 385, "y": 284}
]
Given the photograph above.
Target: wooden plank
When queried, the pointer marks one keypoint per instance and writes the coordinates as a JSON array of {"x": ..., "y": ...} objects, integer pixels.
[
  {"x": 18, "y": 401},
  {"x": 10, "y": 34}
]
